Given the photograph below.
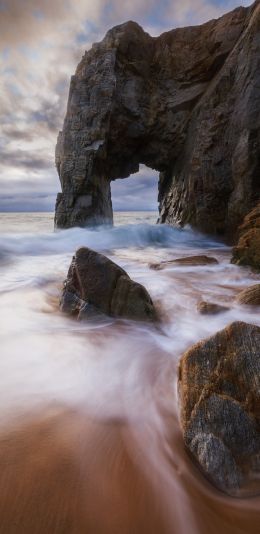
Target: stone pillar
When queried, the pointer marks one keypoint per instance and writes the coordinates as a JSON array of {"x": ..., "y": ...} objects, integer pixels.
[{"x": 91, "y": 207}]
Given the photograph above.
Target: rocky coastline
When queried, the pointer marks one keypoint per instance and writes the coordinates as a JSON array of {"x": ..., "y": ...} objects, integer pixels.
[
  {"x": 219, "y": 378},
  {"x": 187, "y": 104}
]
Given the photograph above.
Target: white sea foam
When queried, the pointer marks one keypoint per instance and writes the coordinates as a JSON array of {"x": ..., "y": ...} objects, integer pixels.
[
  {"x": 118, "y": 370},
  {"x": 38, "y": 265}
]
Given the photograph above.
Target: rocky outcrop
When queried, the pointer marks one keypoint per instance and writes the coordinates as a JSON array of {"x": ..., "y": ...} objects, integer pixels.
[
  {"x": 186, "y": 103},
  {"x": 219, "y": 389},
  {"x": 187, "y": 261},
  {"x": 210, "y": 308},
  {"x": 247, "y": 250},
  {"x": 250, "y": 296},
  {"x": 96, "y": 285}
]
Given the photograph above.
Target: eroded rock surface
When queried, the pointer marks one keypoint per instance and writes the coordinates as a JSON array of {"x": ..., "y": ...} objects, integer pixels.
[
  {"x": 187, "y": 261},
  {"x": 96, "y": 285},
  {"x": 247, "y": 250},
  {"x": 250, "y": 296},
  {"x": 186, "y": 103},
  {"x": 219, "y": 389}
]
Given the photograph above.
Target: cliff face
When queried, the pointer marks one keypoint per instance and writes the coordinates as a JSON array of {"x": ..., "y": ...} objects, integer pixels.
[{"x": 186, "y": 103}]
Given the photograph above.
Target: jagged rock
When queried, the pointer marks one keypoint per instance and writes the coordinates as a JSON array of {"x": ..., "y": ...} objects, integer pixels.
[
  {"x": 219, "y": 390},
  {"x": 210, "y": 308},
  {"x": 250, "y": 296},
  {"x": 96, "y": 285},
  {"x": 186, "y": 103},
  {"x": 195, "y": 261},
  {"x": 247, "y": 250}
]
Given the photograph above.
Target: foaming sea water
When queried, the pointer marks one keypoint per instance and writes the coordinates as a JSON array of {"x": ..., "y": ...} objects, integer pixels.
[{"x": 102, "y": 398}]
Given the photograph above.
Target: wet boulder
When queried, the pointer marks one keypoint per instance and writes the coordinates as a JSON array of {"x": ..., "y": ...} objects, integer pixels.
[
  {"x": 187, "y": 261},
  {"x": 96, "y": 285},
  {"x": 250, "y": 296},
  {"x": 210, "y": 308},
  {"x": 247, "y": 250},
  {"x": 219, "y": 392}
]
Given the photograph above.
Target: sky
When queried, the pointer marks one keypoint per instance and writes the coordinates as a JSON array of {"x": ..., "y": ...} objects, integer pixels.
[{"x": 41, "y": 43}]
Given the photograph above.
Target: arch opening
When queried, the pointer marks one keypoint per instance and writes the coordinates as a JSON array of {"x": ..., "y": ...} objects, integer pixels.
[{"x": 138, "y": 192}]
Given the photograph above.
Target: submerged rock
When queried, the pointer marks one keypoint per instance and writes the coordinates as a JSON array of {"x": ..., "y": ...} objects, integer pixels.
[
  {"x": 96, "y": 285},
  {"x": 210, "y": 308},
  {"x": 219, "y": 391},
  {"x": 195, "y": 261},
  {"x": 185, "y": 103},
  {"x": 250, "y": 296},
  {"x": 247, "y": 250}
]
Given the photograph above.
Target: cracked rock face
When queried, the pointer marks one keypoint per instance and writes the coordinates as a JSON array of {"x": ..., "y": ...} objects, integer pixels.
[
  {"x": 247, "y": 249},
  {"x": 95, "y": 285},
  {"x": 219, "y": 390},
  {"x": 186, "y": 103}
]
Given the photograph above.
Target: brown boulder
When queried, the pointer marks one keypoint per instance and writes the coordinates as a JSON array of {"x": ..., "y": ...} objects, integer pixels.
[
  {"x": 247, "y": 250},
  {"x": 210, "y": 308},
  {"x": 219, "y": 390},
  {"x": 96, "y": 285},
  {"x": 250, "y": 296},
  {"x": 195, "y": 261}
]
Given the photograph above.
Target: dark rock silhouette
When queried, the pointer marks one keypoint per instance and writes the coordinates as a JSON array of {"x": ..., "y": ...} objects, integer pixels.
[
  {"x": 95, "y": 285},
  {"x": 186, "y": 103},
  {"x": 219, "y": 388}
]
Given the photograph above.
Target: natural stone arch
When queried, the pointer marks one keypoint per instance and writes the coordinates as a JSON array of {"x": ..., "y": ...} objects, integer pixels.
[
  {"x": 174, "y": 104},
  {"x": 109, "y": 129}
]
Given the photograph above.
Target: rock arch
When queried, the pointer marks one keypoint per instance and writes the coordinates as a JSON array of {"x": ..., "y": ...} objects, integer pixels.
[{"x": 186, "y": 104}]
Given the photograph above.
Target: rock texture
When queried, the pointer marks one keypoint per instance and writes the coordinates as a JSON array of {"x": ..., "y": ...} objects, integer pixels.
[
  {"x": 250, "y": 296},
  {"x": 247, "y": 250},
  {"x": 210, "y": 308},
  {"x": 219, "y": 388},
  {"x": 186, "y": 103},
  {"x": 187, "y": 261},
  {"x": 96, "y": 285}
]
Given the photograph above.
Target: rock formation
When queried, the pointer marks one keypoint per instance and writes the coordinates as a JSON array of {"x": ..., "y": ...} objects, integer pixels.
[
  {"x": 186, "y": 103},
  {"x": 96, "y": 285},
  {"x": 250, "y": 296},
  {"x": 219, "y": 388},
  {"x": 187, "y": 261},
  {"x": 210, "y": 308},
  {"x": 247, "y": 250}
]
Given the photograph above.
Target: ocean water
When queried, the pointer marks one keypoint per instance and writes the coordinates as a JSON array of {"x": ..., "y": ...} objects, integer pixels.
[{"x": 103, "y": 398}]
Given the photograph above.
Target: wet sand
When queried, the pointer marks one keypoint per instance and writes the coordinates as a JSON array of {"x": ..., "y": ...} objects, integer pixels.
[{"x": 64, "y": 473}]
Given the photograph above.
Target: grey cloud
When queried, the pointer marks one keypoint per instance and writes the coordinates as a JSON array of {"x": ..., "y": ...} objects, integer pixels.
[
  {"x": 34, "y": 183},
  {"x": 19, "y": 23},
  {"x": 25, "y": 160},
  {"x": 27, "y": 203},
  {"x": 10, "y": 132}
]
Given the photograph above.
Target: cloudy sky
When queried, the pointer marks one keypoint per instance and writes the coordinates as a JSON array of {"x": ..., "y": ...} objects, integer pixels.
[{"x": 41, "y": 43}]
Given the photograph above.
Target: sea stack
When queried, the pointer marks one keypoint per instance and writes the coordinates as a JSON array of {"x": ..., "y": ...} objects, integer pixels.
[{"x": 186, "y": 103}]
